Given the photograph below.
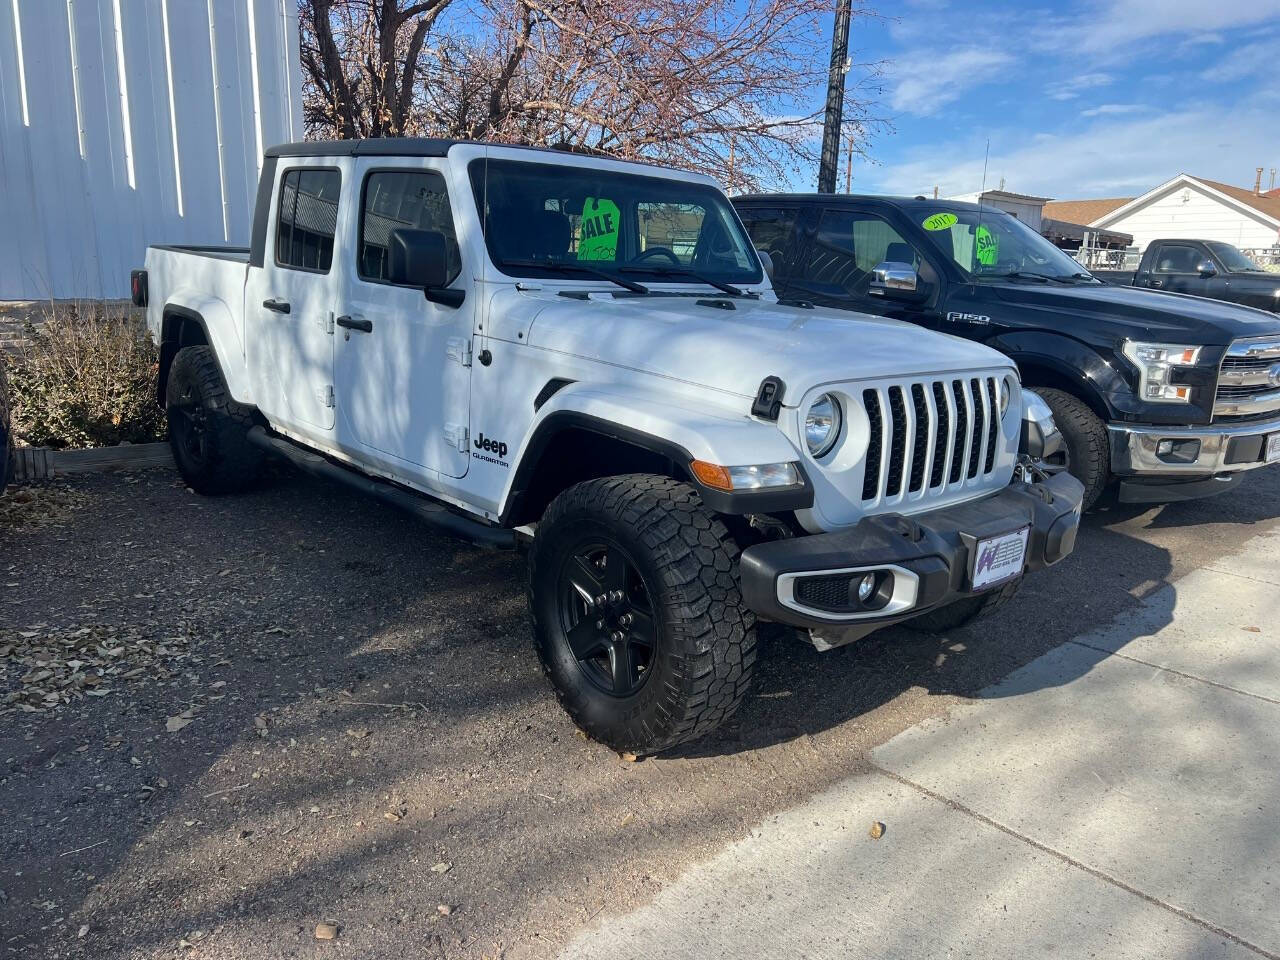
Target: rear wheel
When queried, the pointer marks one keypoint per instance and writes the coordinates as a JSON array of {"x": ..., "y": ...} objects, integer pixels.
[
  {"x": 208, "y": 431},
  {"x": 1086, "y": 453},
  {"x": 963, "y": 612},
  {"x": 637, "y": 615}
]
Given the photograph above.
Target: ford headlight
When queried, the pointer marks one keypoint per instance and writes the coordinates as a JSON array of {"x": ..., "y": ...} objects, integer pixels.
[
  {"x": 1156, "y": 363},
  {"x": 822, "y": 425}
]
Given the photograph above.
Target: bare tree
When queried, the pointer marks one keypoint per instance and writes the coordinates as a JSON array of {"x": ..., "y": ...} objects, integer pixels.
[
  {"x": 360, "y": 61},
  {"x": 729, "y": 87}
]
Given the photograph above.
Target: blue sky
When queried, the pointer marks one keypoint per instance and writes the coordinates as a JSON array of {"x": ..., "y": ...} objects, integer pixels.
[{"x": 1081, "y": 99}]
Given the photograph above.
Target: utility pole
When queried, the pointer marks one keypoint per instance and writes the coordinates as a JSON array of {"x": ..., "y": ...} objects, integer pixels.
[{"x": 832, "y": 124}]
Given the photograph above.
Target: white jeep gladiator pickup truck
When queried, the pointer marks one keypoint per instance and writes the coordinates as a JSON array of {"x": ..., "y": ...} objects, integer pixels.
[{"x": 585, "y": 356}]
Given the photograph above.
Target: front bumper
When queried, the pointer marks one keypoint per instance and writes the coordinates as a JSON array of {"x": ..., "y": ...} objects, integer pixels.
[
  {"x": 1196, "y": 460},
  {"x": 926, "y": 559}
]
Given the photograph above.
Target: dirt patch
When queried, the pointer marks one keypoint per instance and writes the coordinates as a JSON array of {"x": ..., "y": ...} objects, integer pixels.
[{"x": 357, "y": 732}]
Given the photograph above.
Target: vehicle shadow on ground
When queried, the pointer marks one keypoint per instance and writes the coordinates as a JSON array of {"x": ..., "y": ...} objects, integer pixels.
[{"x": 405, "y": 724}]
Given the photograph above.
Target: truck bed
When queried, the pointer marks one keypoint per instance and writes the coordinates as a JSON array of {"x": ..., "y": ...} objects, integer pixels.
[{"x": 217, "y": 251}]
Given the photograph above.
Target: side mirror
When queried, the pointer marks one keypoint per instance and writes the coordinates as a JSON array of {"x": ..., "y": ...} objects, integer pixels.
[
  {"x": 1040, "y": 436},
  {"x": 766, "y": 261},
  {"x": 893, "y": 279},
  {"x": 1207, "y": 269},
  {"x": 420, "y": 258}
]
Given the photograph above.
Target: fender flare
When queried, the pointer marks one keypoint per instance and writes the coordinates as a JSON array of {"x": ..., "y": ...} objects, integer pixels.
[
  {"x": 215, "y": 318},
  {"x": 1083, "y": 371},
  {"x": 671, "y": 431}
]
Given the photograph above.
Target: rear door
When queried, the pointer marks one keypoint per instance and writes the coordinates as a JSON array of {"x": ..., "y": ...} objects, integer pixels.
[
  {"x": 289, "y": 301},
  {"x": 403, "y": 368}
]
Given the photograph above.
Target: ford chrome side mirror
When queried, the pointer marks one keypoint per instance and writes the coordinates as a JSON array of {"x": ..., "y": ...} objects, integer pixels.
[
  {"x": 1040, "y": 436},
  {"x": 891, "y": 278},
  {"x": 1207, "y": 269}
]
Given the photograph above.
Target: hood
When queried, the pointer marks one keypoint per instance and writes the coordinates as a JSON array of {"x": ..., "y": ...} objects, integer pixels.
[
  {"x": 732, "y": 350},
  {"x": 1138, "y": 314}
]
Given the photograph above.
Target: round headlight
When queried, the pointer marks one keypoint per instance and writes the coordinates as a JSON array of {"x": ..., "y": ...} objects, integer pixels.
[
  {"x": 1004, "y": 397},
  {"x": 822, "y": 425}
]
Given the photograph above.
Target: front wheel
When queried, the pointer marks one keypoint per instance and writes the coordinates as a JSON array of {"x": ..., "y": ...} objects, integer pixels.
[
  {"x": 1086, "y": 453},
  {"x": 637, "y": 613}
]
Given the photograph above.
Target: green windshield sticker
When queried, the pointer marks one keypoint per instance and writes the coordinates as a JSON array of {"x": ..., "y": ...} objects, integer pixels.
[
  {"x": 988, "y": 246},
  {"x": 600, "y": 222},
  {"x": 940, "y": 221}
]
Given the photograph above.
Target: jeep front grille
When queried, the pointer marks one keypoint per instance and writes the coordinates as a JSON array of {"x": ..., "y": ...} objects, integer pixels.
[
  {"x": 1249, "y": 380},
  {"x": 930, "y": 436}
]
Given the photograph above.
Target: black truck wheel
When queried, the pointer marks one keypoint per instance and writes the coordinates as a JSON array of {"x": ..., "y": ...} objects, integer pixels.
[
  {"x": 1087, "y": 453},
  {"x": 956, "y": 615},
  {"x": 637, "y": 612},
  {"x": 208, "y": 431}
]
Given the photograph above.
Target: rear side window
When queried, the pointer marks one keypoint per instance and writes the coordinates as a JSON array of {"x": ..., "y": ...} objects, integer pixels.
[
  {"x": 773, "y": 231},
  {"x": 402, "y": 200},
  {"x": 307, "y": 219}
]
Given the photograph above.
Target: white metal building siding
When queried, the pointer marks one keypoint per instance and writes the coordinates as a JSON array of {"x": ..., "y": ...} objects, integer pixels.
[
  {"x": 1188, "y": 212},
  {"x": 128, "y": 122}
]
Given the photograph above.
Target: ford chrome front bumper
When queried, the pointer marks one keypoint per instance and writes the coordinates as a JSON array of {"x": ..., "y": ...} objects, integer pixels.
[{"x": 1177, "y": 463}]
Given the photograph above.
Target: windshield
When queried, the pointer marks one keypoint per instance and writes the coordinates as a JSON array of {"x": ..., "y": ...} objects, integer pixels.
[
  {"x": 1233, "y": 259},
  {"x": 989, "y": 243},
  {"x": 555, "y": 220}
]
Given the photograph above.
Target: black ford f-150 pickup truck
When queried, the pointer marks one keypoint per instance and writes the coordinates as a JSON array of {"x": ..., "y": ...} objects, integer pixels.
[
  {"x": 1204, "y": 268},
  {"x": 1174, "y": 396}
]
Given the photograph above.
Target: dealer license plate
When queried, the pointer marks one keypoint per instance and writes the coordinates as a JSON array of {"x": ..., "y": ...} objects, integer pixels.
[
  {"x": 1273, "y": 448},
  {"x": 997, "y": 559}
]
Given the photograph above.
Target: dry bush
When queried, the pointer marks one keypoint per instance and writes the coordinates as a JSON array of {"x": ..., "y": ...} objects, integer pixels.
[{"x": 86, "y": 378}]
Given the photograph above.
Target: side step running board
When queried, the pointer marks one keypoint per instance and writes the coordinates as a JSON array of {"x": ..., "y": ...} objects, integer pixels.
[{"x": 437, "y": 515}]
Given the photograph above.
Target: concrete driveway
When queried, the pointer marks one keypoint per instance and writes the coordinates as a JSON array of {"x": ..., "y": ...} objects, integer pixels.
[{"x": 1117, "y": 797}]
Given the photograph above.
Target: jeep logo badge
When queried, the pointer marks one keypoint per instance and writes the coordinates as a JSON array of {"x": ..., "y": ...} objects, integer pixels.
[{"x": 492, "y": 446}]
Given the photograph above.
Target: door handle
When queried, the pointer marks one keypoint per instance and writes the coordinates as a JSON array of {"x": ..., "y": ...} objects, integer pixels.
[
  {"x": 355, "y": 323},
  {"x": 279, "y": 306},
  {"x": 1156, "y": 283}
]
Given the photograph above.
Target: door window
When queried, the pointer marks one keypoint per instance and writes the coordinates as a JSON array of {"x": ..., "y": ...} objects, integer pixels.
[
  {"x": 1176, "y": 258},
  {"x": 307, "y": 219},
  {"x": 849, "y": 245},
  {"x": 773, "y": 231},
  {"x": 402, "y": 200}
]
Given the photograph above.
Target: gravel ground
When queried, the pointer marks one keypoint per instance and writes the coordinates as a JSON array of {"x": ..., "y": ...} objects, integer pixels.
[{"x": 309, "y": 709}]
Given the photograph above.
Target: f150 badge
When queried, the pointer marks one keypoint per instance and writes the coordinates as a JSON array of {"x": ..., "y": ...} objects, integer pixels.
[{"x": 955, "y": 317}]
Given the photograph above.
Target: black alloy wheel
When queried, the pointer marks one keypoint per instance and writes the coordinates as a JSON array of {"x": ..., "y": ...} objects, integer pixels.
[{"x": 607, "y": 617}]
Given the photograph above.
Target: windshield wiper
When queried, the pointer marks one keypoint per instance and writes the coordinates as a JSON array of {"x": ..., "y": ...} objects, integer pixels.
[
  {"x": 728, "y": 288},
  {"x": 1027, "y": 275},
  {"x": 557, "y": 266}
]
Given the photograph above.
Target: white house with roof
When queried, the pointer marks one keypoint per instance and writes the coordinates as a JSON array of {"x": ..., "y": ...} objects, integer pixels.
[{"x": 1185, "y": 206}]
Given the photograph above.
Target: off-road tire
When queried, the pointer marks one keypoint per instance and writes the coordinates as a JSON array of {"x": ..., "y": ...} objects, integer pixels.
[
  {"x": 221, "y": 460},
  {"x": 705, "y": 647},
  {"x": 1088, "y": 447},
  {"x": 963, "y": 612}
]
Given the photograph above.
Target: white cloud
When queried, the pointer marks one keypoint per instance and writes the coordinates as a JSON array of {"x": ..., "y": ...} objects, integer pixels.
[
  {"x": 1114, "y": 109},
  {"x": 1106, "y": 27},
  {"x": 1111, "y": 157},
  {"x": 927, "y": 82},
  {"x": 1072, "y": 87},
  {"x": 1251, "y": 60}
]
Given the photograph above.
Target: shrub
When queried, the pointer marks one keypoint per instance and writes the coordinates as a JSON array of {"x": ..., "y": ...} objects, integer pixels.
[{"x": 85, "y": 378}]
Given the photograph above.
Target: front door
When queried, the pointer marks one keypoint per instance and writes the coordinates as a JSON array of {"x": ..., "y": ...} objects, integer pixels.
[
  {"x": 1177, "y": 269},
  {"x": 403, "y": 366},
  {"x": 289, "y": 304},
  {"x": 843, "y": 253}
]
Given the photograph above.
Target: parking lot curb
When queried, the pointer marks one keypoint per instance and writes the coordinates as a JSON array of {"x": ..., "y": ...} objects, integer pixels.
[{"x": 43, "y": 463}]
